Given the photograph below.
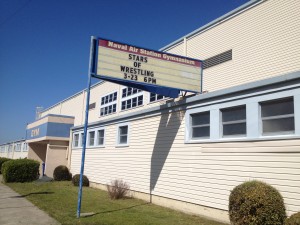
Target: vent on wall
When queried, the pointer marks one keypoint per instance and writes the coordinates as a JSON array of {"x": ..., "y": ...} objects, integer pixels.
[
  {"x": 217, "y": 59},
  {"x": 92, "y": 105}
]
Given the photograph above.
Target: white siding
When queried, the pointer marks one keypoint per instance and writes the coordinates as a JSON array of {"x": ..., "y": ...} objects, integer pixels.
[
  {"x": 204, "y": 174},
  {"x": 265, "y": 42}
]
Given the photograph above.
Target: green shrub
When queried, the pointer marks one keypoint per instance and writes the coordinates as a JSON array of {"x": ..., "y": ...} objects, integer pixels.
[
  {"x": 61, "y": 173},
  {"x": 2, "y": 160},
  {"x": 293, "y": 220},
  {"x": 76, "y": 179},
  {"x": 256, "y": 203},
  {"x": 20, "y": 170}
]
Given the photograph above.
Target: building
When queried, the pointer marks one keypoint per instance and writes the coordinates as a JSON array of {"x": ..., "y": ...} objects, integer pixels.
[
  {"x": 189, "y": 153},
  {"x": 14, "y": 150}
]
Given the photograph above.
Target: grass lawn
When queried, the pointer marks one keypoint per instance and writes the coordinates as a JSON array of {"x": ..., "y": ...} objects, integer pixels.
[{"x": 59, "y": 200}]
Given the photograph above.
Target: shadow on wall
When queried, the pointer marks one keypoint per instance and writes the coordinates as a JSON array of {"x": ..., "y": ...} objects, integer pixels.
[{"x": 168, "y": 128}]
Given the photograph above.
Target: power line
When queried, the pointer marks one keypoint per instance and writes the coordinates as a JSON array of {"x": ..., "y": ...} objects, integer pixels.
[{"x": 15, "y": 13}]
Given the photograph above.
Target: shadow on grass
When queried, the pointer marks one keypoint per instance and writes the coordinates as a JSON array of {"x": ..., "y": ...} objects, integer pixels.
[
  {"x": 115, "y": 210},
  {"x": 34, "y": 193}
]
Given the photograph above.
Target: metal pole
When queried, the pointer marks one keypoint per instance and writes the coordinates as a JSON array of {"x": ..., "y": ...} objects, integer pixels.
[{"x": 92, "y": 48}]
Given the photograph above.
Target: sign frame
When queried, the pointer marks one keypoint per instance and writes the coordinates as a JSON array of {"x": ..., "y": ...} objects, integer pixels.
[{"x": 155, "y": 88}]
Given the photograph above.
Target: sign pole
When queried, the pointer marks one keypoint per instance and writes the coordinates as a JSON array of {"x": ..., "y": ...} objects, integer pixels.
[{"x": 91, "y": 60}]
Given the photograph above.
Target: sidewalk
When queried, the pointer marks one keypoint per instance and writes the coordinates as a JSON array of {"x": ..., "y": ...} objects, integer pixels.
[{"x": 15, "y": 209}]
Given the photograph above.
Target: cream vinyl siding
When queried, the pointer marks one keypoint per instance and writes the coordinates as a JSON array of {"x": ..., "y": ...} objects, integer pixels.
[
  {"x": 158, "y": 160},
  {"x": 264, "y": 39},
  {"x": 178, "y": 49}
]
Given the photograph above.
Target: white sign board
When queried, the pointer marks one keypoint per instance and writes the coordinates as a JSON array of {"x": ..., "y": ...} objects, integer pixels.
[{"x": 127, "y": 62}]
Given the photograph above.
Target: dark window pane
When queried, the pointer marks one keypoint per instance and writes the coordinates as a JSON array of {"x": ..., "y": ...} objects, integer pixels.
[
  {"x": 124, "y": 93},
  {"x": 140, "y": 100},
  {"x": 233, "y": 114},
  {"x": 123, "y": 130},
  {"x": 123, "y": 105},
  {"x": 152, "y": 97},
  {"x": 114, "y": 107},
  {"x": 123, "y": 139},
  {"x": 200, "y": 118},
  {"x": 115, "y": 96},
  {"x": 160, "y": 97},
  {"x": 201, "y": 132},
  {"x": 129, "y": 92},
  {"x": 128, "y": 104},
  {"x": 234, "y": 129},
  {"x": 278, "y": 125},
  {"x": 279, "y": 107},
  {"x": 134, "y": 102}
]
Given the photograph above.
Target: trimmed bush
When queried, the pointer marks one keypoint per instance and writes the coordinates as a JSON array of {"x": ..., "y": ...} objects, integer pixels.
[
  {"x": 2, "y": 160},
  {"x": 256, "y": 203},
  {"x": 61, "y": 173},
  {"x": 76, "y": 179},
  {"x": 117, "y": 189},
  {"x": 293, "y": 220},
  {"x": 20, "y": 170}
]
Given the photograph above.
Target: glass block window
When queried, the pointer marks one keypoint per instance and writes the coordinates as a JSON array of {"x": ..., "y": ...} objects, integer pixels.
[
  {"x": 131, "y": 97},
  {"x": 108, "y": 104},
  {"x": 277, "y": 117},
  {"x": 155, "y": 97},
  {"x": 234, "y": 121},
  {"x": 200, "y": 125}
]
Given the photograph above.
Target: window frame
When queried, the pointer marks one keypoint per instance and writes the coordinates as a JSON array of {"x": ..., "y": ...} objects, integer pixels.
[
  {"x": 118, "y": 144},
  {"x": 139, "y": 93},
  {"x": 156, "y": 96},
  {"x": 97, "y": 137},
  {"x": 108, "y": 104},
  {"x": 197, "y": 126},
  {"x": 89, "y": 138},
  {"x": 74, "y": 140},
  {"x": 261, "y": 118},
  {"x": 232, "y": 122}
]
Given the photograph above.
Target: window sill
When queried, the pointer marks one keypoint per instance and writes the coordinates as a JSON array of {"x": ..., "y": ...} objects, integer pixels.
[
  {"x": 122, "y": 146},
  {"x": 243, "y": 139}
]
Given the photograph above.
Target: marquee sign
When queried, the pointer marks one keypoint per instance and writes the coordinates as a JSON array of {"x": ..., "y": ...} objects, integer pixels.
[{"x": 127, "y": 63}]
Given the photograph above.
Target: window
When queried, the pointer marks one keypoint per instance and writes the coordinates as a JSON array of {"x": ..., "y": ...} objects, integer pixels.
[
  {"x": 25, "y": 147},
  {"x": 81, "y": 139},
  {"x": 76, "y": 140},
  {"x": 234, "y": 121},
  {"x": 123, "y": 135},
  {"x": 278, "y": 116},
  {"x": 108, "y": 104},
  {"x": 100, "y": 140},
  {"x": 91, "y": 138},
  {"x": 18, "y": 147},
  {"x": 155, "y": 97},
  {"x": 200, "y": 125},
  {"x": 131, "y": 97}
]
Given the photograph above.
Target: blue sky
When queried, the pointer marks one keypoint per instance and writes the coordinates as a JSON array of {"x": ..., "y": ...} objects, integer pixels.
[{"x": 44, "y": 45}]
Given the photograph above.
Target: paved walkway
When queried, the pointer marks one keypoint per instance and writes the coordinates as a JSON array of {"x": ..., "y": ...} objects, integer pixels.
[{"x": 15, "y": 209}]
